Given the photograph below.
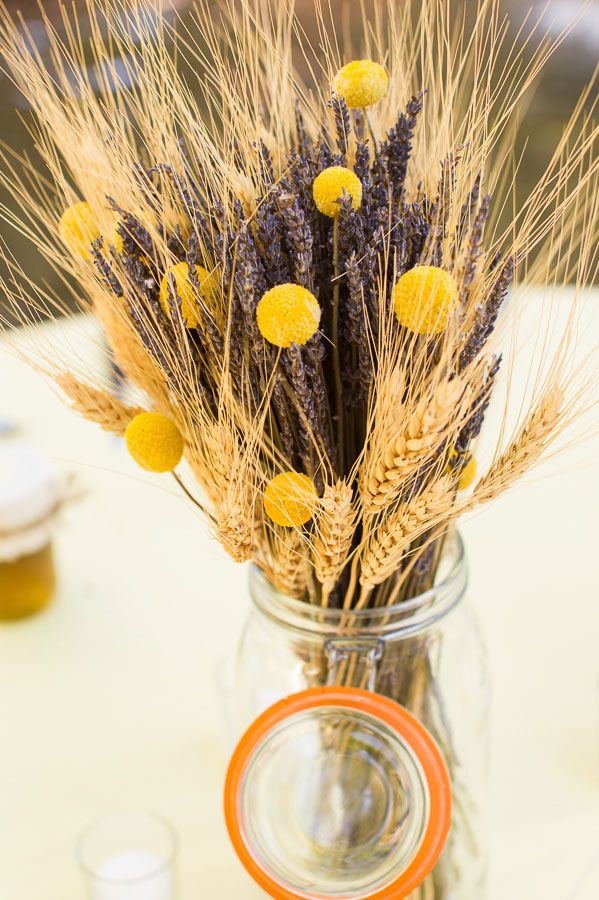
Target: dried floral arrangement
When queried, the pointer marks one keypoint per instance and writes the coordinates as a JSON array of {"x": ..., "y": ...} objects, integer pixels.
[
  {"x": 306, "y": 279},
  {"x": 304, "y": 283},
  {"x": 300, "y": 282}
]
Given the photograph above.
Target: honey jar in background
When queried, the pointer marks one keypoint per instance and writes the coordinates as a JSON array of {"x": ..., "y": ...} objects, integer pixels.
[{"x": 29, "y": 495}]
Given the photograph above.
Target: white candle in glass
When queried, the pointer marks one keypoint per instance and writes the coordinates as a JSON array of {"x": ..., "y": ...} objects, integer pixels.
[
  {"x": 129, "y": 857},
  {"x": 133, "y": 875}
]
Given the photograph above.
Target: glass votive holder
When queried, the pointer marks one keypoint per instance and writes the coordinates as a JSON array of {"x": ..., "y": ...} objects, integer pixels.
[{"x": 129, "y": 856}]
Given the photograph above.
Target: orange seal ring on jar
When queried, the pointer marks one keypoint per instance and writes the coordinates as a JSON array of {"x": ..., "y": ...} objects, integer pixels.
[{"x": 399, "y": 721}]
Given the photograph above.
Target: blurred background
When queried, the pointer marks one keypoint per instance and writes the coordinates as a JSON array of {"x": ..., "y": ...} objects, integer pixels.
[{"x": 563, "y": 79}]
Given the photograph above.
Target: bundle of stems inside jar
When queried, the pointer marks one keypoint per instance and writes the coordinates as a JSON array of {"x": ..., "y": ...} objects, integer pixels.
[{"x": 304, "y": 283}]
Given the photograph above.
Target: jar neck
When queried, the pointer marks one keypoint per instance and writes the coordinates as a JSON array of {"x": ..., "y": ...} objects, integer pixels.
[{"x": 390, "y": 622}]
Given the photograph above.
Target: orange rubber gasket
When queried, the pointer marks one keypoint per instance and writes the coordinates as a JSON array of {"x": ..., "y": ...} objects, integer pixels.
[{"x": 397, "y": 718}]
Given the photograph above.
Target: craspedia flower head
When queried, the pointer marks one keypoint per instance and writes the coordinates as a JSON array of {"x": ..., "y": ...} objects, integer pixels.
[
  {"x": 154, "y": 442},
  {"x": 290, "y": 499},
  {"x": 329, "y": 186},
  {"x": 190, "y": 310},
  {"x": 424, "y": 298},
  {"x": 361, "y": 83},
  {"x": 78, "y": 228},
  {"x": 288, "y": 314}
]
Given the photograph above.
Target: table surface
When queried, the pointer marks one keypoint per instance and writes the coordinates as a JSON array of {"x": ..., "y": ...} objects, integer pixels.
[{"x": 108, "y": 700}]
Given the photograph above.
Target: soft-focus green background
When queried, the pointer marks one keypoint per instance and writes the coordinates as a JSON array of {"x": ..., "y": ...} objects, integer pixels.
[{"x": 562, "y": 81}]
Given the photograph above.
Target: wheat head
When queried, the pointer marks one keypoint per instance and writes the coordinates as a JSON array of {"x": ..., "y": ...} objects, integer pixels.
[
  {"x": 96, "y": 405},
  {"x": 334, "y": 529},
  {"x": 384, "y": 550},
  {"x": 382, "y": 478},
  {"x": 289, "y": 563},
  {"x": 541, "y": 426}
]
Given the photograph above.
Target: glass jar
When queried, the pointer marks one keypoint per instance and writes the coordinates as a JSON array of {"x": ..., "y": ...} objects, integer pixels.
[
  {"x": 28, "y": 502},
  {"x": 356, "y": 728}
]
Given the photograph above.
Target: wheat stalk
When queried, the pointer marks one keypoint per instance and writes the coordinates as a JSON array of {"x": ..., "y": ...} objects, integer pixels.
[
  {"x": 234, "y": 530},
  {"x": 334, "y": 529},
  {"x": 384, "y": 550},
  {"x": 541, "y": 427},
  {"x": 95, "y": 404},
  {"x": 289, "y": 563},
  {"x": 383, "y": 478}
]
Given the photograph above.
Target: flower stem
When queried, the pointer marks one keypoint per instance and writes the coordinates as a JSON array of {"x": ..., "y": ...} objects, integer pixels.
[{"x": 336, "y": 357}]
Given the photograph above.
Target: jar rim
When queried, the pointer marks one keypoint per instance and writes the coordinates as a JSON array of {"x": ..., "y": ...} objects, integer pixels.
[{"x": 401, "y": 618}]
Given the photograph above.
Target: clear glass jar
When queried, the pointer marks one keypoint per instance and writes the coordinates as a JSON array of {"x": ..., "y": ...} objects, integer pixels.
[{"x": 333, "y": 807}]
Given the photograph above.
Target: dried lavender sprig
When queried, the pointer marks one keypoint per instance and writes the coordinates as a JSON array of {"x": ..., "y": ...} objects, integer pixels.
[
  {"x": 314, "y": 357},
  {"x": 104, "y": 268},
  {"x": 308, "y": 420},
  {"x": 249, "y": 283},
  {"x": 298, "y": 238},
  {"x": 474, "y": 422},
  {"x": 486, "y": 316},
  {"x": 475, "y": 245},
  {"x": 342, "y": 123},
  {"x": 398, "y": 146},
  {"x": 266, "y": 165},
  {"x": 136, "y": 237},
  {"x": 285, "y": 422},
  {"x": 266, "y": 224},
  {"x": 356, "y": 332}
]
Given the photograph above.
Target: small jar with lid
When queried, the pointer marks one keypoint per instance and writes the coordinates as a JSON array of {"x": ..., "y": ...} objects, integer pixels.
[{"x": 29, "y": 496}]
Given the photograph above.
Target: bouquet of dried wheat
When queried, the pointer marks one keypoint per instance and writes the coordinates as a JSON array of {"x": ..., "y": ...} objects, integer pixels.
[{"x": 305, "y": 278}]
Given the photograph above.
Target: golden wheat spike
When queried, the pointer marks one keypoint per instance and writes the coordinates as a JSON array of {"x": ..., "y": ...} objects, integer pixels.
[
  {"x": 334, "y": 530},
  {"x": 289, "y": 571},
  {"x": 96, "y": 405},
  {"x": 541, "y": 427},
  {"x": 234, "y": 531},
  {"x": 385, "y": 548},
  {"x": 384, "y": 474}
]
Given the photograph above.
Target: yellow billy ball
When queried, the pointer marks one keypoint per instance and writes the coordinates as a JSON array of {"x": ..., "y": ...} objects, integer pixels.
[
  {"x": 329, "y": 187},
  {"x": 290, "y": 499},
  {"x": 361, "y": 83},
  {"x": 154, "y": 442},
  {"x": 467, "y": 474},
  {"x": 424, "y": 298},
  {"x": 78, "y": 228},
  {"x": 190, "y": 310},
  {"x": 288, "y": 314}
]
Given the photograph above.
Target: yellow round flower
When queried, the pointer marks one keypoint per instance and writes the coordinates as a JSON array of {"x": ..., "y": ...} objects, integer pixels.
[
  {"x": 467, "y": 474},
  {"x": 361, "y": 83},
  {"x": 329, "y": 186},
  {"x": 288, "y": 314},
  {"x": 424, "y": 298},
  {"x": 290, "y": 499},
  {"x": 78, "y": 227},
  {"x": 190, "y": 310},
  {"x": 154, "y": 442}
]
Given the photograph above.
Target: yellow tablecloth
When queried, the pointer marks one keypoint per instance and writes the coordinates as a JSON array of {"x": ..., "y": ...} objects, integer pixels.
[{"x": 108, "y": 700}]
